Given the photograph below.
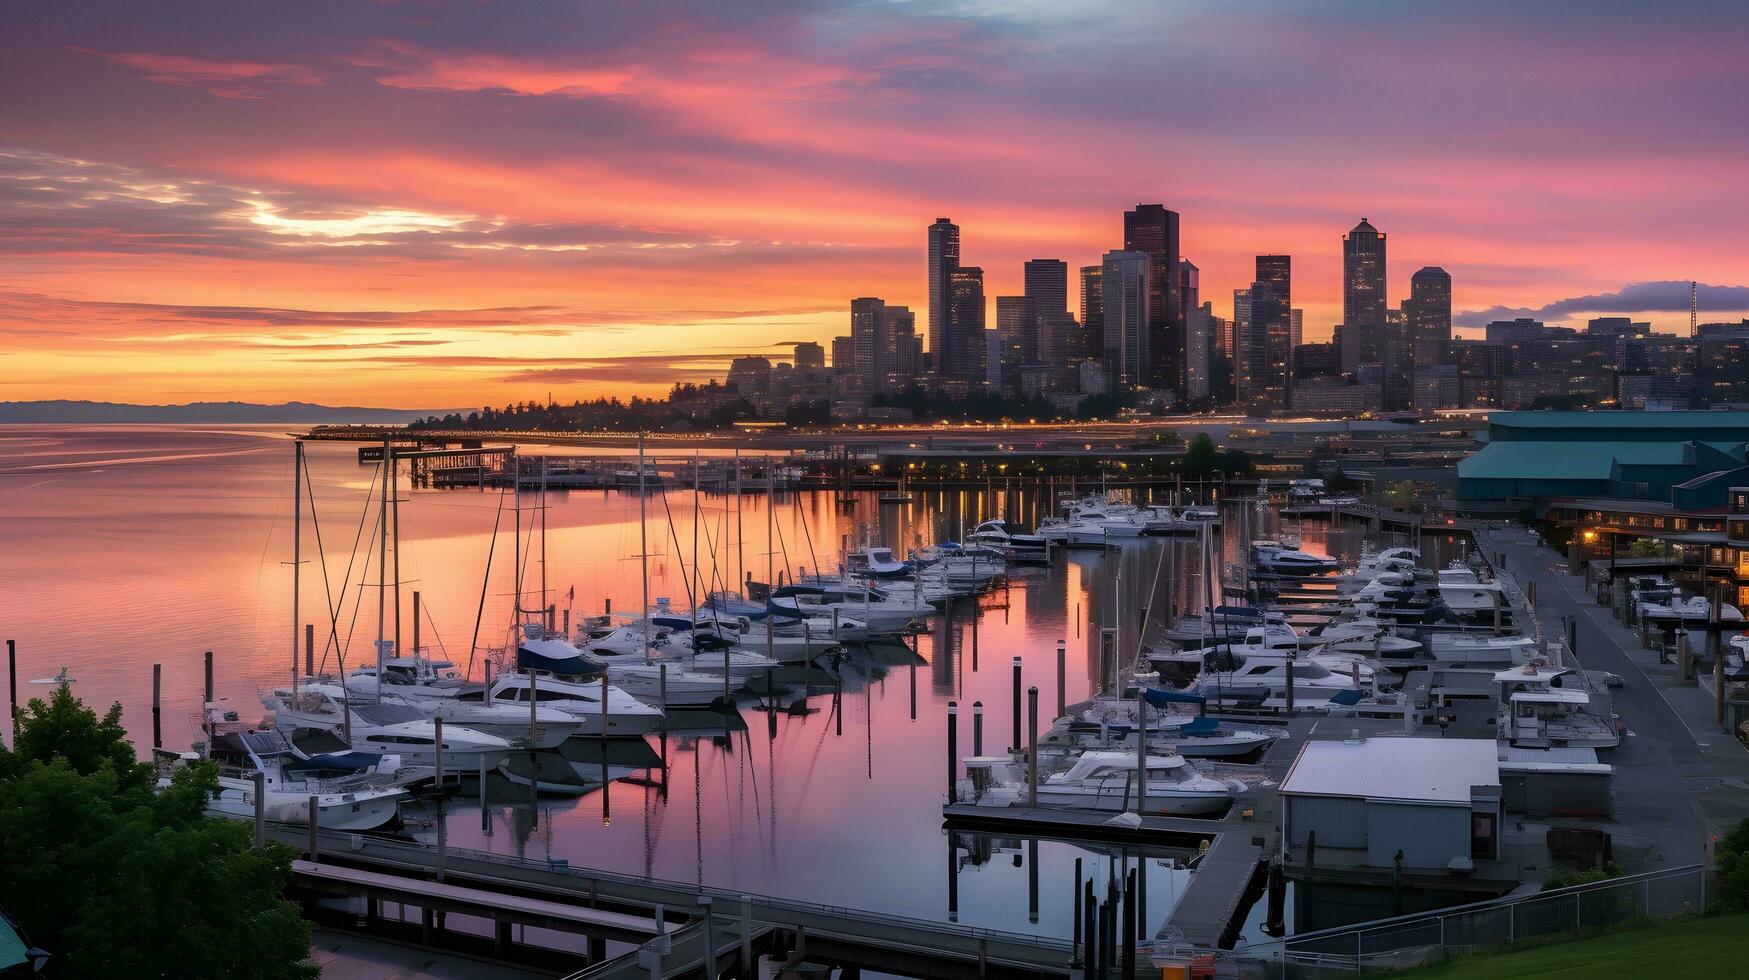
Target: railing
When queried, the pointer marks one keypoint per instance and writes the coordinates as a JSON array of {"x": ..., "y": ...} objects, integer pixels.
[
  {"x": 1410, "y": 940},
  {"x": 729, "y": 898}
]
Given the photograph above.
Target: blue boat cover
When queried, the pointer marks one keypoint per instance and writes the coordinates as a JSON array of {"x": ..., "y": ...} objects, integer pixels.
[
  {"x": 1199, "y": 726},
  {"x": 526, "y": 660},
  {"x": 1162, "y": 698},
  {"x": 335, "y": 762},
  {"x": 1347, "y": 698}
]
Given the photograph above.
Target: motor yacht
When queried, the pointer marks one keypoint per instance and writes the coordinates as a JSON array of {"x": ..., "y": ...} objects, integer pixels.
[
  {"x": 1273, "y": 556},
  {"x": 1105, "y": 780},
  {"x": 412, "y": 681},
  {"x": 387, "y": 728},
  {"x": 353, "y": 790},
  {"x": 881, "y": 614},
  {"x": 581, "y": 699},
  {"x": 1542, "y": 707}
]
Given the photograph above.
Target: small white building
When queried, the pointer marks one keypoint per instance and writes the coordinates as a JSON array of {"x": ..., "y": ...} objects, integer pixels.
[{"x": 1435, "y": 799}]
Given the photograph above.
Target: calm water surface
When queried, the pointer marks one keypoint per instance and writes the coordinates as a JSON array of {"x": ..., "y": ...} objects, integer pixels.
[{"x": 124, "y": 547}]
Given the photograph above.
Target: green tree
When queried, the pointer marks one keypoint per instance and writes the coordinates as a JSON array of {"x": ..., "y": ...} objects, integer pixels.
[
  {"x": 1200, "y": 458},
  {"x": 116, "y": 880},
  {"x": 1732, "y": 857}
]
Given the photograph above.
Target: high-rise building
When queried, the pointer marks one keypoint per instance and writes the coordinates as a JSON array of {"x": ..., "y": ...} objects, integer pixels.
[
  {"x": 962, "y": 352},
  {"x": 809, "y": 356},
  {"x": 1153, "y": 231},
  {"x": 1429, "y": 313},
  {"x": 1189, "y": 285},
  {"x": 944, "y": 257},
  {"x": 1396, "y": 360},
  {"x": 1047, "y": 286},
  {"x": 1092, "y": 311},
  {"x": 1199, "y": 341},
  {"x": 1016, "y": 334},
  {"x": 1125, "y": 283},
  {"x": 1059, "y": 340},
  {"x": 882, "y": 345},
  {"x": 1248, "y": 350},
  {"x": 1272, "y": 330},
  {"x": 1297, "y": 327},
  {"x": 1363, "y": 289}
]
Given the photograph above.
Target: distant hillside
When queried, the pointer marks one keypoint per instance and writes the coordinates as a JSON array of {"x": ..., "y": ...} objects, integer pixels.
[{"x": 205, "y": 412}]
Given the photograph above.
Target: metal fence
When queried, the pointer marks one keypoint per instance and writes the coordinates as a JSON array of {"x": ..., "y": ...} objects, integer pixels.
[{"x": 1428, "y": 937}]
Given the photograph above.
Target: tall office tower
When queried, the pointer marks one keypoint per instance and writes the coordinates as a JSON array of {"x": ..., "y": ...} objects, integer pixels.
[
  {"x": 1153, "y": 231},
  {"x": 1125, "y": 288},
  {"x": 1247, "y": 350},
  {"x": 1272, "y": 326},
  {"x": 1363, "y": 290},
  {"x": 1298, "y": 328},
  {"x": 1199, "y": 342},
  {"x": 1189, "y": 286},
  {"x": 1093, "y": 311},
  {"x": 867, "y": 343},
  {"x": 962, "y": 352},
  {"x": 944, "y": 257},
  {"x": 1429, "y": 312},
  {"x": 898, "y": 349},
  {"x": 1059, "y": 339},
  {"x": 1396, "y": 363},
  {"x": 809, "y": 356},
  {"x": 1047, "y": 285},
  {"x": 1016, "y": 334}
]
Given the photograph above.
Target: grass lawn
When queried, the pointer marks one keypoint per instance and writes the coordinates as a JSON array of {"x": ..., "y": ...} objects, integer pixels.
[{"x": 1709, "y": 947}]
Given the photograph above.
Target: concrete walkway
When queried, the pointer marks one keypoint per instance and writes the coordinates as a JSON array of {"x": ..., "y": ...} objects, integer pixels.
[
  {"x": 345, "y": 956},
  {"x": 1680, "y": 779}
]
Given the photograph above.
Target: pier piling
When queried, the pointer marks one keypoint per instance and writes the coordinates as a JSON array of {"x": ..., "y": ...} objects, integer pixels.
[
  {"x": 205, "y": 719},
  {"x": 315, "y": 847},
  {"x": 1016, "y": 743},
  {"x": 12, "y": 687},
  {"x": 310, "y": 650},
  {"x": 953, "y": 762},
  {"x": 260, "y": 780},
  {"x": 977, "y": 728},
  {"x": 157, "y": 709},
  {"x": 1062, "y": 676},
  {"x": 1032, "y": 747}
]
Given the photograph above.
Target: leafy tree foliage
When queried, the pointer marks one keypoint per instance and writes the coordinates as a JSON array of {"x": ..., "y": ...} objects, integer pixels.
[
  {"x": 116, "y": 880},
  {"x": 1732, "y": 857}
]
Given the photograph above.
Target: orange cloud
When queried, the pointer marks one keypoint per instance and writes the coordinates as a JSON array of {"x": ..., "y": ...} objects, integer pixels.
[{"x": 226, "y": 79}]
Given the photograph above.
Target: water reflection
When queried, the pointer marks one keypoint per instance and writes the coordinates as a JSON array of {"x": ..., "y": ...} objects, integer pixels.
[{"x": 131, "y": 546}]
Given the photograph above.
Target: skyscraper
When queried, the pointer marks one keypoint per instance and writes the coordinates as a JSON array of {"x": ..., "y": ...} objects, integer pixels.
[
  {"x": 1016, "y": 335},
  {"x": 1125, "y": 288},
  {"x": 1047, "y": 286},
  {"x": 1429, "y": 313},
  {"x": 1153, "y": 231},
  {"x": 1272, "y": 329},
  {"x": 961, "y": 356},
  {"x": 810, "y": 356},
  {"x": 1197, "y": 342},
  {"x": 944, "y": 257},
  {"x": 1396, "y": 363},
  {"x": 882, "y": 346},
  {"x": 1093, "y": 311},
  {"x": 1247, "y": 350},
  {"x": 1363, "y": 291}
]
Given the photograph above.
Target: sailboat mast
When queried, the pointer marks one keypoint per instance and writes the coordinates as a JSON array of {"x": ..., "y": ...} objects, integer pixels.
[
  {"x": 698, "y": 584},
  {"x": 297, "y": 552},
  {"x": 395, "y": 510},
  {"x": 516, "y": 543},
  {"x": 382, "y": 565},
  {"x": 740, "y": 559},
  {"x": 643, "y": 547}
]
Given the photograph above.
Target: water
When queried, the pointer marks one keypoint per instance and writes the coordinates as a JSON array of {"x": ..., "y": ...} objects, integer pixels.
[{"x": 124, "y": 547}]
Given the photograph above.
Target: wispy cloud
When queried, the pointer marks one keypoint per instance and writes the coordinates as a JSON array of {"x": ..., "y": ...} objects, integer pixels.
[
  {"x": 225, "y": 79},
  {"x": 1665, "y": 296}
]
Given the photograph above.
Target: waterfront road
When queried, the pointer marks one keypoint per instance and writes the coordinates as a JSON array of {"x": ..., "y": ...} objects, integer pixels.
[{"x": 1680, "y": 779}]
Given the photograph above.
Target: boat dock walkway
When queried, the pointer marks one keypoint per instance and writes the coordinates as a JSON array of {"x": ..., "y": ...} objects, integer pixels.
[{"x": 607, "y": 906}]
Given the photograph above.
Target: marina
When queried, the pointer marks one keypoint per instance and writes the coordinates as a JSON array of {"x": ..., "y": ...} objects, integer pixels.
[{"x": 682, "y": 694}]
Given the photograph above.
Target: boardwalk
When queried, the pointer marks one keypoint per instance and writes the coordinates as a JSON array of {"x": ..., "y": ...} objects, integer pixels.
[{"x": 851, "y": 937}]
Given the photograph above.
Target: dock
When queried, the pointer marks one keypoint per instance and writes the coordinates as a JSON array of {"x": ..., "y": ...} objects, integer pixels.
[{"x": 605, "y": 906}]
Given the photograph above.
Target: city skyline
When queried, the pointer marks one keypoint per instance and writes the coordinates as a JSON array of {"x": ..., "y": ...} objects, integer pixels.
[{"x": 402, "y": 205}]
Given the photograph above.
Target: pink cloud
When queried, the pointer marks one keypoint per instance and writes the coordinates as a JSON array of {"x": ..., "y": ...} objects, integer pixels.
[{"x": 225, "y": 79}]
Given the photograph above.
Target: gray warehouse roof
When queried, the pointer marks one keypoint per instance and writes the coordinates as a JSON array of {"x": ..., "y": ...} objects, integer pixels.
[{"x": 1415, "y": 770}]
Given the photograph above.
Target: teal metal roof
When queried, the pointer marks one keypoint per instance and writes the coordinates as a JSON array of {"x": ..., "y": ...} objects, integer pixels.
[
  {"x": 1568, "y": 460},
  {"x": 1621, "y": 420}
]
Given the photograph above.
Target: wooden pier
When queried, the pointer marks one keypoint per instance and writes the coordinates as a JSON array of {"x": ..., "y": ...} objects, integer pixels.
[{"x": 605, "y": 906}]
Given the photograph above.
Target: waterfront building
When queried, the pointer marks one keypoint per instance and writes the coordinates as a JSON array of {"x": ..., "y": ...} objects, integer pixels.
[
  {"x": 1152, "y": 230},
  {"x": 1521, "y": 329},
  {"x": 1533, "y": 457},
  {"x": 750, "y": 376},
  {"x": 1126, "y": 295},
  {"x": 1047, "y": 287}
]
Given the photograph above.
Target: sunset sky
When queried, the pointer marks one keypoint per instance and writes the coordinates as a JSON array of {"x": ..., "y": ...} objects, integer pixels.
[{"x": 421, "y": 205}]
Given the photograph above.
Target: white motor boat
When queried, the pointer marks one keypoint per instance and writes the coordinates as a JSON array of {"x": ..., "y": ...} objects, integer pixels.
[
  {"x": 1543, "y": 707},
  {"x": 881, "y": 613},
  {"x": 1105, "y": 780},
  {"x": 1693, "y": 609},
  {"x": 544, "y": 728},
  {"x": 581, "y": 699},
  {"x": 1273, "y": 556},
  {"x": 353, "y": 790},
  {"x": 387, "y": 728},
  {"x": 1015, "y": 545},
  {"x": 1200, "y": 515},
  {"x": 1110, "y": 723},
  {"x": 1479, "y": 650},
  {"x": 877, "y": 563},
  {"x": 1369, "y": 637}
]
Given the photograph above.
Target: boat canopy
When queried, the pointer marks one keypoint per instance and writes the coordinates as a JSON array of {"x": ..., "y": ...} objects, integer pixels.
[
  {"x": 1161, "y": 698},
  {"x": 1200, "y": 726}
]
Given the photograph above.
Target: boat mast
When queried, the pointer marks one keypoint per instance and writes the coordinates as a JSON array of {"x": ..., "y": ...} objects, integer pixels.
[
  {"x": 543, "y": 535},
  {"x": 395, "y": 511},
  {"x": 740, "y": 560},
  {"x": 297, "y": 552},
  {"x": 516, "y": 542},
  {"x": 382, "y": 566},
  {"x": 643, "y": 549},
  {"x": 698, "y": 584}
]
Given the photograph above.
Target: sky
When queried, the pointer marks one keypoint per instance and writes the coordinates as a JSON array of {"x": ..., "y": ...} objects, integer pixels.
[{"x": 446, "y": 204}]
